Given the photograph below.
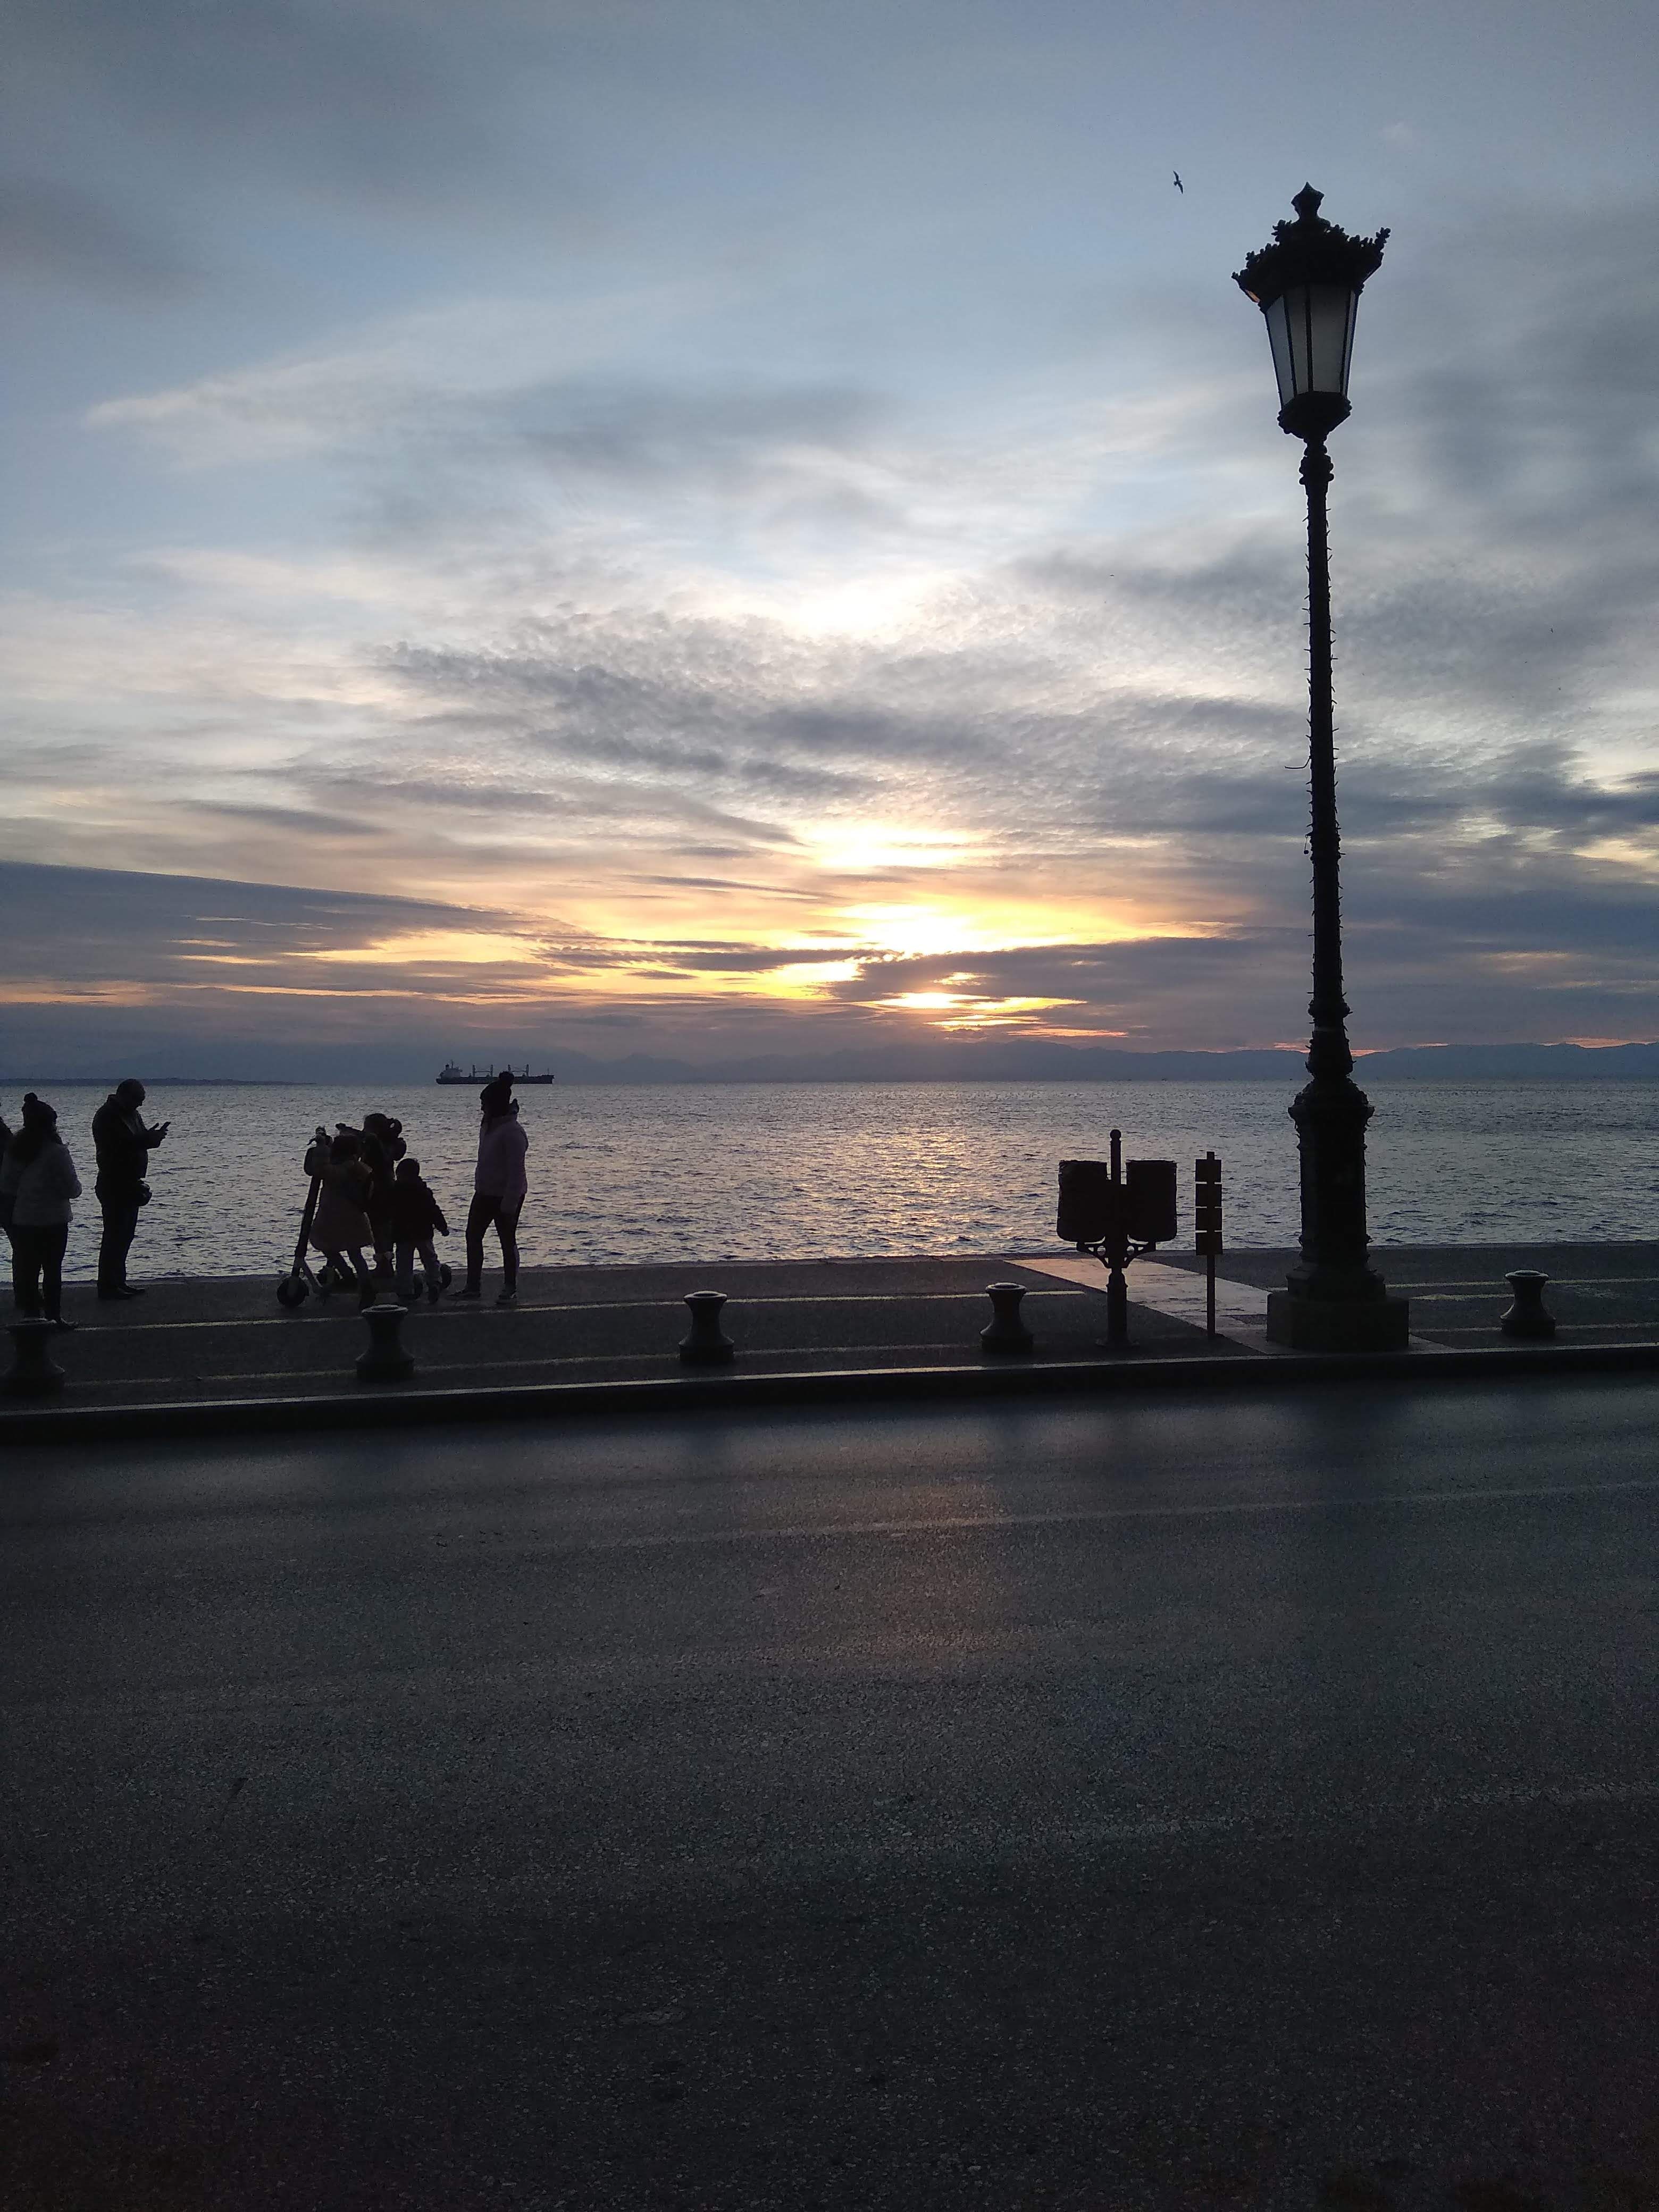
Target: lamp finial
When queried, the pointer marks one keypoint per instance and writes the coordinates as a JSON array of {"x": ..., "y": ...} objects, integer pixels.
[{"x": 1306, "y": 203}]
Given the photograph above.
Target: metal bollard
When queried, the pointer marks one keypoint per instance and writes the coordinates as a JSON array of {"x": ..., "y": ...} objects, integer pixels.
[
  {"x": 34, "y": 1373},
  {"x": 1007, "y": 1332},
  {"x": 707, "y": 1345},
  {"x": 385, "y": 1360},
  {"x": 1528, "y": 1316}
]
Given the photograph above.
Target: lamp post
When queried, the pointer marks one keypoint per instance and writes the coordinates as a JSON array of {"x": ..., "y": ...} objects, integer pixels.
[{"x": 1307, "y": 283}]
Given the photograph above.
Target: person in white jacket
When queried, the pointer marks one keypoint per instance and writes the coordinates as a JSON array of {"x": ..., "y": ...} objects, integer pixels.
[
  {"x": 39, "y": 1177},
  {"x": 498, "y": 1190}
]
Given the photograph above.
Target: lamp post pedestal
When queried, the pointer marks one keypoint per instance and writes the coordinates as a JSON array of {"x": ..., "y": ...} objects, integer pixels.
[
  {"x": 1333, "y": 1300},
  {"x": 1314, "y": 1325}
]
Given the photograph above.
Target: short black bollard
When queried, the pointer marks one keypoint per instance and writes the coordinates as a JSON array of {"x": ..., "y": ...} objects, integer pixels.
[
  {"x": 1005, "y": 1332},
  {"x": 385, "y": 1360},
  {"x": 707, "y": 1345},
  {"x": 1526, "y": 1317},
  {"x": 35, "y": 1373}
]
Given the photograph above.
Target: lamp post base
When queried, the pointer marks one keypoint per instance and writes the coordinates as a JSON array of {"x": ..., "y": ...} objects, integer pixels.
[{"x": 1338, "y": 1324}]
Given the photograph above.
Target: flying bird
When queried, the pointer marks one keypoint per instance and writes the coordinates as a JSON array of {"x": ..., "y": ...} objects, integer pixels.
[{"x": 1179, "y": 187}]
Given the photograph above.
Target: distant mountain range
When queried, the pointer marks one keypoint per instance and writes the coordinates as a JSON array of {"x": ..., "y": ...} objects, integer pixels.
[
  {"x": 1029, "y": 1060},
  {"x": 1034, "y": 1062}
]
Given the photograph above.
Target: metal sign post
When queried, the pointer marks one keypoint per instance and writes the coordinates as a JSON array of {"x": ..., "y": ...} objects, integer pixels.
[
  {"x": 1114, "y": 1250},
  {"x": 1117, "y": 1217},
  {"x": 1207, "y": 1220}
]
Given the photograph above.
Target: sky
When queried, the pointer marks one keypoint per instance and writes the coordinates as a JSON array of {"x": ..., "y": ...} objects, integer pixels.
[{"x": 729, "y": 527}]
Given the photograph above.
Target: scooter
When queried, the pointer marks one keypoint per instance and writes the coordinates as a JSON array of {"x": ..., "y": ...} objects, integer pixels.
[{"x": 296, "y": 1286}]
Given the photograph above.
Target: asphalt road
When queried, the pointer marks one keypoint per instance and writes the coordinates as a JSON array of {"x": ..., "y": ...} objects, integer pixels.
[{"x": 1098, "y": 1806}]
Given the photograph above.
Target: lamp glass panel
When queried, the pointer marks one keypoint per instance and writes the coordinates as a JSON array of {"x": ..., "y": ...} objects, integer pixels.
[
  {"x": 1347, "y": 341},
  {"x": 1319, "y": 332},
  {"x": 1330, "y": 323},
  {"x": 1278, "y": 338}
]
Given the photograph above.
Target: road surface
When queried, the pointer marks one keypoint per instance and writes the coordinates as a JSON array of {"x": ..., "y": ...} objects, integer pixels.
[{"x": 1096, "y": 1805}]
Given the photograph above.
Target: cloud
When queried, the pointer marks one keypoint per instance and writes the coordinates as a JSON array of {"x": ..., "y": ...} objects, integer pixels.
[
  {"x": 572, "y": 640},
  {"x": 455, "y": 385},
  {"x": 93, "y": 924},
  {"x": 317, "y": 402},
  {"x": 51, "y": 230},
  {"x": 645, "y": 433},
  {"x": 100, "y": 955},
  {"x": 376, "y": 98},
  {"x": 307, "y": 821}
]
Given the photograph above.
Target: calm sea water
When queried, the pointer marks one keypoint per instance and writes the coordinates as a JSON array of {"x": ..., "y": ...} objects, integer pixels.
[{"x": 763, "y": 1172}]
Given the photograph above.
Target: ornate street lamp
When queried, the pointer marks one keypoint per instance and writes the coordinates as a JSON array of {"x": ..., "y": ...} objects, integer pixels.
[{"x": 1307, "y": 284}]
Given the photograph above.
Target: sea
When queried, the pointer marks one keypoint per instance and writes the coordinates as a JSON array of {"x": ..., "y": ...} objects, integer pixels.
[{"x": 628, "y": 1173}]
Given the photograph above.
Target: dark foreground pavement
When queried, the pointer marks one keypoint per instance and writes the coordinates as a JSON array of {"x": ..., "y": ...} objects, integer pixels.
[{"x": 1143, "y": 1803}]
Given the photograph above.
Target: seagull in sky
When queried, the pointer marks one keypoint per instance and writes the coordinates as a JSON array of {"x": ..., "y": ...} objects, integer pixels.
[{"x": 1179, "y": 187}]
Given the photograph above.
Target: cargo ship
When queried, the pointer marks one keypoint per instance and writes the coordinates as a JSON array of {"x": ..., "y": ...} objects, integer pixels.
[{"x": 450, "y": 1073}]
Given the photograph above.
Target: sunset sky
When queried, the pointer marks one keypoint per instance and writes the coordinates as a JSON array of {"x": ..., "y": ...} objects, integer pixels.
[{"x": 709, "y": 527}]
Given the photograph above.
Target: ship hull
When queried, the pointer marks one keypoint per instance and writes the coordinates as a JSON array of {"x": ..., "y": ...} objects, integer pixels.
[{"x": 482, "y": 1075}]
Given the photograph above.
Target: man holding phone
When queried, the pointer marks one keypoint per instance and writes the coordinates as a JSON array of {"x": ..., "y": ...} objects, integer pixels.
[{"x": 125, "y": 1145}]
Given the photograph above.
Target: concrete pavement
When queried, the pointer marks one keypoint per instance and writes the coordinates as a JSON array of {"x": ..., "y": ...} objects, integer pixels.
[
  {"x": 1150, "y": 1803},
  {"x": 581, "y": 1336}
]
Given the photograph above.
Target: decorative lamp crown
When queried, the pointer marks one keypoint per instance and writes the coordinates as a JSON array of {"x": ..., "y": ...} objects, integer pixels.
[{"x": 1309, "y": 251}]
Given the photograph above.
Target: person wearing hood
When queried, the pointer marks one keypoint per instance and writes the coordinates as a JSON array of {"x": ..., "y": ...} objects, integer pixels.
[
  {"x": 124, "y": 1145},
  {"x": 38, "y": 1177},
  {"x": 498, "y": 1189}
]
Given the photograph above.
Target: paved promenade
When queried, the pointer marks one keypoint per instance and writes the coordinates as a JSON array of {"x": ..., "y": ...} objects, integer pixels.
[{"x": 599, "y": 1331}]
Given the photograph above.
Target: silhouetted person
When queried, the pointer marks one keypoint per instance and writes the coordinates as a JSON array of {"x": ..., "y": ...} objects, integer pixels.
[
  {"x": 39, "y": 1177},
  {"x": 415, "y": 1214},
  {"x": 498, "y": 1188},
  {"x": 383, "y": 1146},
  {"x": 7, "y": 1132},
  {"x": 125, "y": 1145},
  {"x": 340, "y": 1226}
]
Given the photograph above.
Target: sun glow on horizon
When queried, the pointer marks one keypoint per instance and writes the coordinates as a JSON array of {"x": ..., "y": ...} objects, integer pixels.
[{"x": 969, "y": 1011}]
